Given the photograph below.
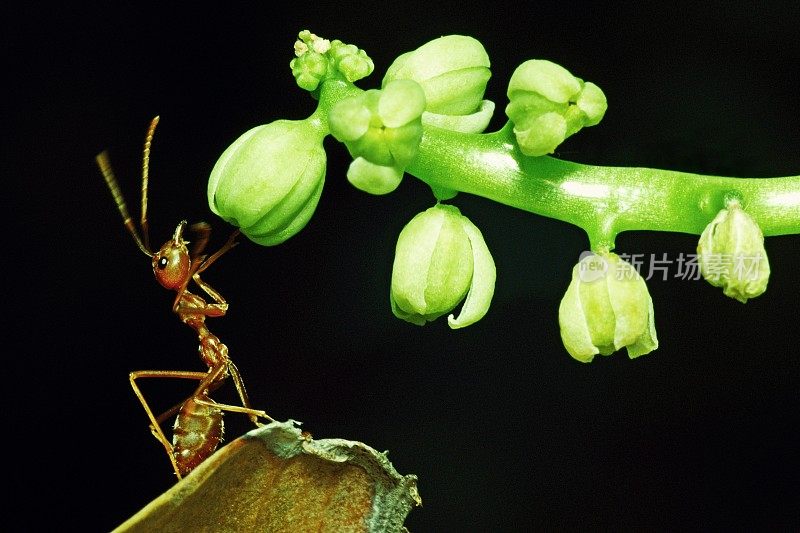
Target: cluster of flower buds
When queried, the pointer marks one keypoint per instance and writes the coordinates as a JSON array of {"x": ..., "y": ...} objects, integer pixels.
[
  {"x": 547, "y": 104},
  {"x": 382, "y": 129},
  {"x": 268, "y": 183},
  {"x": 318, "y": 58},
  {"x": 453, "y": 71},
  {"x": 441, "y": 260},
  {"x": 731, "y": 254}
]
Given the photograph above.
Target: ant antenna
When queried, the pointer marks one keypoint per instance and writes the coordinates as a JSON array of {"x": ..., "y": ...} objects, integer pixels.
[
  {"x": 113, "y": 186},
  {"x": 148, "y": 140}
]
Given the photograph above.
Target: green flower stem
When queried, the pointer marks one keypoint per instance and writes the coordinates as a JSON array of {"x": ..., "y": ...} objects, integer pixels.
[{"x": 604, "y": 201}]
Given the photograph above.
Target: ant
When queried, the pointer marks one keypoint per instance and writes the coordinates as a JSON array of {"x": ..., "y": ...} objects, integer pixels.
[{"x": 198, "y": 425}]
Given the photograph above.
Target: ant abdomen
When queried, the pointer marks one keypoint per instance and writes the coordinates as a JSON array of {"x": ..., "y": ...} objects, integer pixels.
[{"x": 198, "y": 431}]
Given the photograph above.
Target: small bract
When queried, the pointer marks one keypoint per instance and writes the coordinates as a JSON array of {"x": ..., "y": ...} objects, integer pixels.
[{"x": 441, "y": 260}]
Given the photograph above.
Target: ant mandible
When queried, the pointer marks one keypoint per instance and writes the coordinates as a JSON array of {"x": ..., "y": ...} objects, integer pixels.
[{"x": 198, "y": 425}]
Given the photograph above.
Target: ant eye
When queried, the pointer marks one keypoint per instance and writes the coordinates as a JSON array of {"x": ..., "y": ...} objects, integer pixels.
[{"x": 162, "y": 263}]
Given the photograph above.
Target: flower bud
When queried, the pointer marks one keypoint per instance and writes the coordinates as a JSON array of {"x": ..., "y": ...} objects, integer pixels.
[
  {"x": 606, "y": 306},
  {"x": 353, "y": 63},
  {"x": 547, "y": 104},
  {"x": 731, "y": 254},
  {"x": 309, "y": 69},
  {"x": 318, "y": 59},
  {"x": 268, "y": 182},
  {"x": 453, "y": 71},
  {"x": 441, "y": 259},
  {"x": 382, "y": 130}
]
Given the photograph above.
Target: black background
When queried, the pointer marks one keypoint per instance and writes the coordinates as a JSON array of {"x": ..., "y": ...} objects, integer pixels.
[{"x": 505, "y": 431}]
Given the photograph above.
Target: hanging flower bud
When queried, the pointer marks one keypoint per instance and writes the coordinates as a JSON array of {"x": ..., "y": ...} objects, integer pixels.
[
  {"x": 731, "y": 254},
  {"x": 268, "y": 182},
  {"x": 606, "y": 306},
  {"x": 382, "y": 130},
  {"x": 441, "y": 259},
  {"x": 547, "y": 104},
  {"x": 453, "y": 71}
]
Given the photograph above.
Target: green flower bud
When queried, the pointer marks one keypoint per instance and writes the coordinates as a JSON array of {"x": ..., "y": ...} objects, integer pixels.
[
  {"x": 731, "y": 254},
  {"x": 319, "y": 58},
  {"x": 441, "y": 259},
  {"x": 310, "y": 66},
  {"x": 453, "y": 71},
  {"x": 547, "y": 104},
  {"x": 353, "y": 63},
  {"x": 268, "y": 182},
  {"x": 309, "y": 69},
  {"x": 382, "y": 130},
  {"x": 606, "y": 306}
]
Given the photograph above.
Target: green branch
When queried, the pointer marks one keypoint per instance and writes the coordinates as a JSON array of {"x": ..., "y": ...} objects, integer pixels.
[{"x": 604, "y": 201}]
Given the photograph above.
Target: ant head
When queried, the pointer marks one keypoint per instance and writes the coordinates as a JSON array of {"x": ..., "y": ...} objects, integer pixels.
[{"x": 171, "y": 263}]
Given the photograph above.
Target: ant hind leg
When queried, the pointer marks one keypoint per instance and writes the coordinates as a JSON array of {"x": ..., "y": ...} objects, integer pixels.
[{"x": 155, "y": 422}]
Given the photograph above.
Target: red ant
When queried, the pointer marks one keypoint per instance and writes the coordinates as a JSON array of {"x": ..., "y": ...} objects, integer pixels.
[{"x": 198, "y": 426}]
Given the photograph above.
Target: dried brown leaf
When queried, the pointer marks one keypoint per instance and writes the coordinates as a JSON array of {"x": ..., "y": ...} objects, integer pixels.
[{"x": 278, "y": 479}]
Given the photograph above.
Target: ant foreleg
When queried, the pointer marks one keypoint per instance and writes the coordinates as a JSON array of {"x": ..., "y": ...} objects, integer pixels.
[
  {"x": 216, "y": 309},
  {"x": 203, "y": 232},
  {"x": 230, "y": 243},
  {"x": 199, "y": 264}
]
